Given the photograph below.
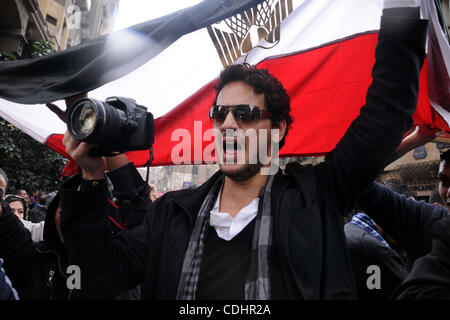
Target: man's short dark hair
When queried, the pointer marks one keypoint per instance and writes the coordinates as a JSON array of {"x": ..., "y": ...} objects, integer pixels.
[
  {"x": 4, "y": 176},
  {"x": 276, "y": 99},
  {"x": 445, "y": 156}
]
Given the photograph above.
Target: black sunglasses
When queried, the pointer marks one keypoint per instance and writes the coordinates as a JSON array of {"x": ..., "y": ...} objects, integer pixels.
[{"x": 243, "y": 113}]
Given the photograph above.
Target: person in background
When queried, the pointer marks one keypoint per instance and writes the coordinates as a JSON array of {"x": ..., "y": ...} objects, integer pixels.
[
  {"x": 404, "y": 223},
  {"x": 429, "y": 278},
  {"x": 48, "y": 258},
  {"x": 24, "y": 194},
  {"x": 435, "y": 197},
  {"x": 367, "y": 247},
  {"x": 7, "y": 292},
  {"x": 36, "y": 212},
  {"x": 18, "y": 206}
]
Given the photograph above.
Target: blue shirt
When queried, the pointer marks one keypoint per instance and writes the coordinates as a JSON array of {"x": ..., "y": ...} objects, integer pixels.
[{"x": 7, "y": 292}]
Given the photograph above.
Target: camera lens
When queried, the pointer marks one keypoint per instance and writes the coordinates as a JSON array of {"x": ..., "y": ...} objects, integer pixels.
[
  {"x": 84, "y": 119},
  {"x": 116, "y": 125},
  {"x": 97, "y": 122}
]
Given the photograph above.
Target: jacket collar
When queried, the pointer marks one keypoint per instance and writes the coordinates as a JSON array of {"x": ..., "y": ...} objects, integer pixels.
[{"x": 192, "y": 199}]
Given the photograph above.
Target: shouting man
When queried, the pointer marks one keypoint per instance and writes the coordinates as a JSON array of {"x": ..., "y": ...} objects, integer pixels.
[{"x": 244, "y": 234}]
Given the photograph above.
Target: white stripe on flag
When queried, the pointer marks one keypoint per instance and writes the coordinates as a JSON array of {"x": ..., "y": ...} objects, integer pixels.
[{"x": 192, "y": 61}]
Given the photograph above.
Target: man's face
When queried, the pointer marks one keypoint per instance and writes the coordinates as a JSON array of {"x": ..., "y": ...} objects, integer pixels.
[
  {"x": 24, "y": 194},
  {"x": 231, "y": 94},
  {"x": 444, "y": 182},
  {"x": 3, "y": 186},
  {"x": 17, "y": 208}
]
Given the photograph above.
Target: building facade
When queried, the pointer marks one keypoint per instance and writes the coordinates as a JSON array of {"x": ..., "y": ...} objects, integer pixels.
[
  {"x": 21, "y": 21},
  {"x": 102, "y": 16},
  {"x": 169, "y": 178},
  {"x": 418, "y": 169},
  {"x": 66, "y": 23}
]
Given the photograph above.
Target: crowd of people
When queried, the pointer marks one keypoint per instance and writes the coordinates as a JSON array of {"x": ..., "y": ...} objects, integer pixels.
[
  {"x": 320, "y": 232},
  {"x": 39, "y": 244}
]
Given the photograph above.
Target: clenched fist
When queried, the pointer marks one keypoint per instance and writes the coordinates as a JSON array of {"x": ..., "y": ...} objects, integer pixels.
[{"x": 92, "y": 168}]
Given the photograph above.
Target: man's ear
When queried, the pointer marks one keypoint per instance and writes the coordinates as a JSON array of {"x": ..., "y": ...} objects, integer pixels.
[{"x": 282, "y": 128}]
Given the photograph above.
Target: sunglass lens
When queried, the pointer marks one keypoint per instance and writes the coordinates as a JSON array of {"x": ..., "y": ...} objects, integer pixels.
[
  {"x": 255, "y": 114},
  {"x": 242, "y": 114},
  {"x": 220, "y": 113}
]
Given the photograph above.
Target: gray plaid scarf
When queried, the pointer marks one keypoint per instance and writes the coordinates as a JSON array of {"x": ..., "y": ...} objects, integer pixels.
[{"x": 257, "y": 285}]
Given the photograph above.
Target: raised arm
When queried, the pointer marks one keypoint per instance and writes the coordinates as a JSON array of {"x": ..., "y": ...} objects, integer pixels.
[
  {"x": 109, "y": 264},
  {"x": 420, "y": 136},
  {"x": 429, "y": 278},
  {"x": 391, "y": 100},
  {"x": 408, "y": 221}
]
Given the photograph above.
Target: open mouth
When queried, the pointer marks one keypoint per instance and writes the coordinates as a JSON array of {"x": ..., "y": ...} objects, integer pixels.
[
  {"x": 232, "y": 146},
  {"x": 232, "y": 150}
]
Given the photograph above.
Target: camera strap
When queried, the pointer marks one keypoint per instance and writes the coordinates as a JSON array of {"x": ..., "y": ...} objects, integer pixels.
[{"x": 148, "y": 163}]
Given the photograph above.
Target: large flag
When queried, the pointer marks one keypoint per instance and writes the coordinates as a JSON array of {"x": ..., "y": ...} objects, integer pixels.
[{"x": 321, "y": 50}]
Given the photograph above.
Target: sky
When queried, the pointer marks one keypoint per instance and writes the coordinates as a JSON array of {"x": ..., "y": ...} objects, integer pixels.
[{"x": 132, "y": 12}]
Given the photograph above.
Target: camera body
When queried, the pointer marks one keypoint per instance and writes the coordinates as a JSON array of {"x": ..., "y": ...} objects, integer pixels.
[{"x": 114, "y": 126}]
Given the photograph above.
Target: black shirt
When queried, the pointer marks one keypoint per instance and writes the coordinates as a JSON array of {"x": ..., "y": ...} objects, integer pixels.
[{"x": 225, "y": 266}]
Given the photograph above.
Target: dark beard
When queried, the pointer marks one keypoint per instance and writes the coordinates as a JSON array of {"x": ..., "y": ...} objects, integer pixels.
[{"x": 247, "y": 172}]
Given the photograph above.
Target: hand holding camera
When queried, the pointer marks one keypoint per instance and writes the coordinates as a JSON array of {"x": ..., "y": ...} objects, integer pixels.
[
  {"x": 92, "y": 167},
  {"x": 97, "y": 129},
  {"x": 114, "y": 126}
]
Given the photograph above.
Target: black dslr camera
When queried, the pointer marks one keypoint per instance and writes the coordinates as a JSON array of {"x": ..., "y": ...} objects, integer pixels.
[{"x": 114, "y": 126}]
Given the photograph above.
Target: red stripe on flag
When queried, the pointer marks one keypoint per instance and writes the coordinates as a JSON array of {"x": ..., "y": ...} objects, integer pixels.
[{"x": 327, "y": 87}]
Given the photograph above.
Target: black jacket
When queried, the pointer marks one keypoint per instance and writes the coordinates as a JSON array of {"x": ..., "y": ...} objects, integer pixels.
[
  {"x": 366, "y": 251},
  {"x": 38, "y": 270},
  {"x": 7, "y": 292},
  {"x": 408, "y": 221},
  {"x": 430, "y": 276},
  {"x": 37, "y": 214},
  {"x": 307, "y": 203}
]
